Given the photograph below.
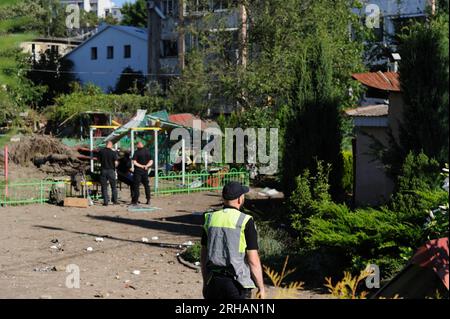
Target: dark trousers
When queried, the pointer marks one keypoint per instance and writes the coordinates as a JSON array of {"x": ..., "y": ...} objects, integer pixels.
[
  {"x": 127, "y": 178},
  {"x": 138, "y": 179},
  {"x": 222, "y": 287},
  {"x": 108, "y": 175}
]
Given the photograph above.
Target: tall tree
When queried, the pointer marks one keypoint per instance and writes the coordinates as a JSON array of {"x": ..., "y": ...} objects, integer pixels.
[
  {"x": 53, "y": 72},
  {"x": 135, "y": 14},
  {"x": 130, "y": 81},
  {"x": 313, "y": 125},
  {"x": 424, "y": 80}
]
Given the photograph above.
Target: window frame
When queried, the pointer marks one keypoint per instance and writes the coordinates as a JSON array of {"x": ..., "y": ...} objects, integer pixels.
[{"x": 110, "y": 52}]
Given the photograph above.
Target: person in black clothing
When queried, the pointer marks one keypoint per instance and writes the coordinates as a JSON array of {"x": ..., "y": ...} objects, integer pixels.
[
  {"x": 142, "y": 162},
  {"x": 124, "y": 172},
  {"x": 108, "y": 160}
]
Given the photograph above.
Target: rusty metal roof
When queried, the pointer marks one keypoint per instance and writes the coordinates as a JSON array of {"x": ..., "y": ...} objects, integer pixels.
[
  {"x": 369, "y": 111},
  {"x": 187, "y": 120},
  {"x": 386, "y": 81}
]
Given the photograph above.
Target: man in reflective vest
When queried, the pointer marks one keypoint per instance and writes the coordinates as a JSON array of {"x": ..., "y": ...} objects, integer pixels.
[{"x": 229, "y": 258}]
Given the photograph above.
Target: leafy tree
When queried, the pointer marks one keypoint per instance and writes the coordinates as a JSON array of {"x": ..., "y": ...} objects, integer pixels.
[
  {"x": 425, "y": 80},
  {"x": 135, "y": 14},
  {"x": 130, "y": 81},
  {"x": 52, "y": 71},
  {"x": 189, "y": 93}
]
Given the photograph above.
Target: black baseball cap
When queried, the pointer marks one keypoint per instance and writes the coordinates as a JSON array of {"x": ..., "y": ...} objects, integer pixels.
[{"x": 234, "y": 190}]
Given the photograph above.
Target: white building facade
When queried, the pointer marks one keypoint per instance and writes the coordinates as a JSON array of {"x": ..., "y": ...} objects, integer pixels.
[
  {"x": 102, "y": 8},
  {"x": 387, "y": 19},
  {"x": 101, "y": 59}
]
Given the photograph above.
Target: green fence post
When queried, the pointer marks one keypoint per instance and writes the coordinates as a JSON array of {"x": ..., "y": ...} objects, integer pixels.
[{"x": 41, "y": 192}]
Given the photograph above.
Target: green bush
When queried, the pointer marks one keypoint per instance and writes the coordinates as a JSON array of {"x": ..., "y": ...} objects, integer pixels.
[
  {"x": 347, "y": 179},
  {"x": 309, "y": 192},
  {"x": 68, "y": 105},
  {"x": 272, "y": 242},
  {"x": 192, "y": 253}
]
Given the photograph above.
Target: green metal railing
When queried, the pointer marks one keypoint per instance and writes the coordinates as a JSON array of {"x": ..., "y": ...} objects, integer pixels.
[
  {"x": 24, "y": 193},
  {"x": 38, "y": 192},
  {"x": 199, "y": 181}
]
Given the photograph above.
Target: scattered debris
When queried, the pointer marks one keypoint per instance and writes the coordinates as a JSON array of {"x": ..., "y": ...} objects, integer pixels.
[
  {"x": 90, "y": 249},
  {"x": 136, "y": 272},
  {"x": 54, "y": 241},
  {"x": 188, "y": 243},
  {"x": 145, "y": 240},
  {"x": 155, "y": 238},
  {"x": 99, "y": 239},
  {"x": 269, "y": 192},
  {"x": 45, "y": 297},
  {"x": 46, "y": 269},
  {"x": 130, "y": 286},
  {"x": 197, "y": 263}
]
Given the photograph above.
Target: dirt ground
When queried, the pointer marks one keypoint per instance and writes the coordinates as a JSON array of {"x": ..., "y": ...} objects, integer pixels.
[{"x": 30, "y": 268}]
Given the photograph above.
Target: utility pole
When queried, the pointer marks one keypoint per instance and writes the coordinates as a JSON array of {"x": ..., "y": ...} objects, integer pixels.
[
  {"x": 154, "y": 39},
  {"x": 181, "y": 36}
]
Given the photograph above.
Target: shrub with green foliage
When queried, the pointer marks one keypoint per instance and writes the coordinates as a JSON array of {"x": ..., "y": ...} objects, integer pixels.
[
  {"x": 92, "y": 100},
  {"x": 364, "y": 235},
  {"x": 386, "y": 236},
  {"x": 192, "y": 253},
  {"x": 273, "y": 245},
  {"x": 311, "y": 190},
  {"x": 347, "y": 178}
]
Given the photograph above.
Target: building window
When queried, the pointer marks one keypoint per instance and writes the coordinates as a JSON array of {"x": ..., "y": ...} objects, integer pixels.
[
  {"x": 197, "y": 6},
  {"x": 127, "y": 51},
  {"x": 219, "y": 5},
  {"x": 168, "y": 7},
  {"x": 169, "y": 49},
  {"x": 110, "y": 52},
  {"x": 94, "y": 53}
]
